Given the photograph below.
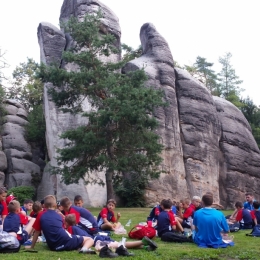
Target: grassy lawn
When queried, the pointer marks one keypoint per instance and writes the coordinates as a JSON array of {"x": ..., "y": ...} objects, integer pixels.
[{"x": 245, "y": 247}]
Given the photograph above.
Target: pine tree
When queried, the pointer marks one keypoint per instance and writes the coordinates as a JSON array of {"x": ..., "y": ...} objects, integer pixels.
[
  {"x": 228, "y": 80},
  {"x": 119, "y": 136}
]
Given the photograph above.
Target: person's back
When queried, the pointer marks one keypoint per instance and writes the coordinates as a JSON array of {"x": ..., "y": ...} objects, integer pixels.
[
  {"x": 209, "y": 224},
  {"x": 244, "y": 216}
]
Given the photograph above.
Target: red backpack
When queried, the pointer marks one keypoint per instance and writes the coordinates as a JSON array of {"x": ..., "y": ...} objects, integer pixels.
[{"x": 138, "y": 232}]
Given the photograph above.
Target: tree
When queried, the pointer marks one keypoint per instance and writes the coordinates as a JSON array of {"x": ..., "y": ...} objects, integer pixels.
[
  {"x": 252, "y": 114},
  {"x": 26, "y": 87},
  {"x": 119, "y": 136},
  {"x": 3, "y": 65},
  {"x": 228, "y": 80}
]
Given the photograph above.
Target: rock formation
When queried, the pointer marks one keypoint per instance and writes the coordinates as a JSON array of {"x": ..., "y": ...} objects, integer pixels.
[
  {"x": 20, "y": 167},
  {"x": 208, "y": 142}
]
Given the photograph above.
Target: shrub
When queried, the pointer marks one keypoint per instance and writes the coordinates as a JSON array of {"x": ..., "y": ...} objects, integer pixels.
[{"x": 22, "y": 193}]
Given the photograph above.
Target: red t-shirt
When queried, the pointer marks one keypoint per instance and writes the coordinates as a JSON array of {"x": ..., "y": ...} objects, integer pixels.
[
  {"x": 5, "y": 209},
  {"x": 189, "y": 211},
  {"x": 109, "y": 215},
  {"x": 171, "y": 218}
]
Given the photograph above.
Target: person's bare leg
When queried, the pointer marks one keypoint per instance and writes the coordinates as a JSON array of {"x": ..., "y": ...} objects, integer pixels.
[
  {"x": 29, "y": 227},
  {"x": 88, "y": 242},
  {"x": 134, "y": 244},
  {"x": 107, "y": 226},
  {"x": 179, "y": 219},
  {"x": 179, "y": 226}
]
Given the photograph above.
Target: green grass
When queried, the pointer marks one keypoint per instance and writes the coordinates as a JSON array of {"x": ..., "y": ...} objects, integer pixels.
[{"x": 245, "y": 247}]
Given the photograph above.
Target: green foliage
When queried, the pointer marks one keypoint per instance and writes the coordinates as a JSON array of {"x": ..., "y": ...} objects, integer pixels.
[
  {"x": 228, "y": 80},
  {"x": 131, "y": 190},
  {"x": 22, "y": 193},
  {"x": 119, "y": 136},
  {"x": 26, "y": 87},
  {"x": 252, "y": 114}
]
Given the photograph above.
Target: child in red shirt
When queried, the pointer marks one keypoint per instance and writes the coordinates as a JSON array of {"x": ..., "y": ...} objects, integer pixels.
[
  {"x": 3, "y": 206},
  {"x": 106, "y": 219}
]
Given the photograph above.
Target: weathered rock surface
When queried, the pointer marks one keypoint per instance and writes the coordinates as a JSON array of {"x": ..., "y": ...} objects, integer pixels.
[
  {"x": 56, "y": 121},
  {"x": 15, "y": 147},
  {"x": 158, "y": 63},
  {"x": 240, "y": 157},
  {"x": 208, "y": 143},
  {"x": 200, "y": 132}
]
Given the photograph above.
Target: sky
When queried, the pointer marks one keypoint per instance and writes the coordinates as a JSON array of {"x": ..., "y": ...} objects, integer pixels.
[{"x": 206, "y": 28}]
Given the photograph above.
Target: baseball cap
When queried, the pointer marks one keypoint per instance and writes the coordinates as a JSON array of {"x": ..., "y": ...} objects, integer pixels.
[{"x": 10, "y": 198}]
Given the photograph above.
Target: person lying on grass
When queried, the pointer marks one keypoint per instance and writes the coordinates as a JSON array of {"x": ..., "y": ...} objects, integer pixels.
[
  {"x": 57, "y": 238},
  {"x": 105, "y": 245},
  {"x": 106, "y": 218}
]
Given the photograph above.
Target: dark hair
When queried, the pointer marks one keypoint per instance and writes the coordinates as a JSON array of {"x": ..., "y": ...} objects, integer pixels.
[
  {"x": 37, "y": 206},
  {"x": 27, "y": 201},
  {"x": 111, "y": 201},
  {"x": 207, "y": 200},
  {"x": 166, "y": 203},
  {"x": 65, "y": 202},
  {"x": 239, "y": 204},
  {"x": 3, "y": 190},
  {"x": 78, "y": 198},
  {"x": 256, "y": 204},
  {"x": 249, "y": 193}
]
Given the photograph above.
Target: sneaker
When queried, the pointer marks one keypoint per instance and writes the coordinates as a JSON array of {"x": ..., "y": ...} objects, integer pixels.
[
  {"x": 122, "y": 251},
  {"x": 148, "y": 248},
  {"x": 106, "y": 252},
  {"x": 27, "y": 243},
  {"x": 148, "y": 242},
  {"x": 87, "y": 251}
]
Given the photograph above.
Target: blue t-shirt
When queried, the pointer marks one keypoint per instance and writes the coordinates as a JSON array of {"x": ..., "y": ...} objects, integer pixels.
[
  {"x": 209, "y": 222},
  {"x": 249, "y": 206},
  {"x": 165, "y": 222},
  {"x": 12, "y": 223}
]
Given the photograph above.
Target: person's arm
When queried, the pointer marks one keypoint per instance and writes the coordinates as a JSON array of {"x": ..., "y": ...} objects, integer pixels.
[
  {"x": 34, "y": 240},
  {"x": 217, "y": 205},
  {"x": 118, "y": 217}
]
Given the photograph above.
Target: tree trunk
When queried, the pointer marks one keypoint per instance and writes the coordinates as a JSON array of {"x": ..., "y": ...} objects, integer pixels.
[{"x": 109, "y": 183}]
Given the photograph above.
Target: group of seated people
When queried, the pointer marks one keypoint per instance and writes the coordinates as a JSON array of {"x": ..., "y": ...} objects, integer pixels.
[
  {"x": 208, "y": 226},
  {"x": 65, "y": 226}
]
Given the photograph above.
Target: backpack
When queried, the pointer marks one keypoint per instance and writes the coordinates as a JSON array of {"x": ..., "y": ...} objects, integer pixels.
[
  {"x": 175, "y": 237},
  {"x": 139, "y": 232},
  {"x": 8, "y": 243},
  {"x": 257, "y": 215},
  {"x": 234, "y": 227},
  {"x": 255, "y": 232}
]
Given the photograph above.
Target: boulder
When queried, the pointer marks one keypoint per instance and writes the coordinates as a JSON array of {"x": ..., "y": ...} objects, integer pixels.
[
  {"x": 16, "y": 165},
  {"x": 201, "y": 131},
  {"x": 239, "y": 158},
  {"x": 11, "y": 110},
  {"x": 2, "y": 179},
  {"x": 3, "y": 161},
  {"x": 158, "y": 64},
  {"x": 19, "y": 179}
]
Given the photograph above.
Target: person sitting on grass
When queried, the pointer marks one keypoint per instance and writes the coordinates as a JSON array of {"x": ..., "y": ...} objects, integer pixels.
[
  {"x": 153, "y": 216},
  {"x": 84, "y": 218},
  {"x": 256, "y": 213},
  {"x": 78, "y": 201},
  {"x": 27, "y": 207},
  {"x": 186, "y": 218},
  {"x": 243, "y": 216},
  {"x": 209, "y": 225},
  {"x": 166, "y": 220},
  {"x": 36, "y": 209},
  {"x": 15, "y": 221},
  {"x": 57, "y": 238},
  {"x": 3, "y": 206},
  {"x": 106, "y": 218}
]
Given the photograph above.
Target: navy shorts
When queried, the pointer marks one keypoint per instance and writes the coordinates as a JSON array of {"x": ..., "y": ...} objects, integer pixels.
[
  {"x": 185, "y": 224},
  {"x": 22, "y": 238},
  {"x": 73, "y": 243}
]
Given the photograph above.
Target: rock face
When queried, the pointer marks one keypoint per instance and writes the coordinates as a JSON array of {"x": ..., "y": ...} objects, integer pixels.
[
  {"x": 208, "y": 142},
  {"x": 17, "y": 150},
  {"x": 200, "y": 133},
  {"x": 158, "y": 63},
  {"x": 239, "y": 160},
  {"x": 52, "y": 42}
]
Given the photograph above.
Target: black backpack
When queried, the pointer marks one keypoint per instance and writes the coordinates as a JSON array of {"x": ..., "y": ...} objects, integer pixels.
[
  {"x": 255, "y": 232},
  {"x": 234, "y": 227},
  {"x": 176, "y": 237}
]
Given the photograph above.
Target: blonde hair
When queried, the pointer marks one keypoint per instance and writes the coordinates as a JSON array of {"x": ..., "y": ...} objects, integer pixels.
[
  {"x": 50, "y": 202},
  {"x": 13, "y": 206}
]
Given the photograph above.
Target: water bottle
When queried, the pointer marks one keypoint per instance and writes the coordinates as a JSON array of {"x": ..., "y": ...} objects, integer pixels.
[{"x": 128, "y": 223}]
